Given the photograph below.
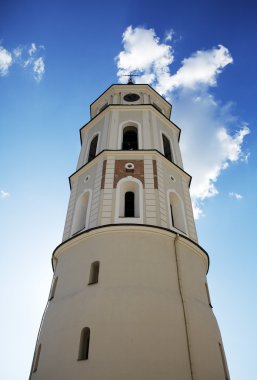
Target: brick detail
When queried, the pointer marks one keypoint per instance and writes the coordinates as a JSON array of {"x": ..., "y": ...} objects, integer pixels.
[
  {"x": 121, "y": 172},
  {"x": 103, "y": 174},
  {"x": 155, "y": 174}
]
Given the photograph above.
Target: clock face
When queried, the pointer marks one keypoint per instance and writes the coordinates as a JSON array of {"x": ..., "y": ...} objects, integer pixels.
[{"x": 131, "y": 97}]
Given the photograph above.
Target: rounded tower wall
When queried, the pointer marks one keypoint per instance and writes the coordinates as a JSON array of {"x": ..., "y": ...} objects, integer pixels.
[{"x": 141, "y": 288}]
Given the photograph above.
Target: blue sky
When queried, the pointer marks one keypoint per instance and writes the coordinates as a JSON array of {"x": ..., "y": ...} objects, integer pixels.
[{"x": 65, "y": 59}]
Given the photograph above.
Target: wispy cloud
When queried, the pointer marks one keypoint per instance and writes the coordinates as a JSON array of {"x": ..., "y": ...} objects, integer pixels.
[
  {"x": 4, "y": 194},
  {"x": 235, "y": 195},
  {"x": 212, "y": 136},
  {"x": 29, "y": 57},
  {"x": 5, "y": 61}
]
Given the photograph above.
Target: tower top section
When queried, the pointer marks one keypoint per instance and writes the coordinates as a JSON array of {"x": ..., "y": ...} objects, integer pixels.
[{"x": 130, "y": 95}]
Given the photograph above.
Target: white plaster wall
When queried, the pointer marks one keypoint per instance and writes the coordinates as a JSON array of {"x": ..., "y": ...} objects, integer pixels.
[{"x": 135, "y": 312}]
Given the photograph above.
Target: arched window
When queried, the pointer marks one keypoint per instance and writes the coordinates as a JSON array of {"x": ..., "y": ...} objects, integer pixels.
[
  {"x": 84, "y": 344},
  {"x": 36, "y": 358},
  {"x": 92, "y": 148},
  {"x": 130, "y": 138},
  {"x": 129, "y": 201},
  {"x": 167, "y": 148},
  {"x": 94, "y": 273},
  {"x": 53, "y": 288},
  {"x": 129, "y": 204},
  {"x": 177, "y": 218},
  {"x": 81, "y": 213}
]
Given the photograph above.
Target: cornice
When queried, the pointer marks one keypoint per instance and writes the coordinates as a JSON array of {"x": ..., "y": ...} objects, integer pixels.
[
  {"x": 133, "y": 153},
  {"x": 130, "y": 108},
  {"x": 138, "y": 85}
]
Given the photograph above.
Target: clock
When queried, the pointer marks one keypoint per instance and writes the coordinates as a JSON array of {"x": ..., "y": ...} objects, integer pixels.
[{"x": 131, "y": 97}]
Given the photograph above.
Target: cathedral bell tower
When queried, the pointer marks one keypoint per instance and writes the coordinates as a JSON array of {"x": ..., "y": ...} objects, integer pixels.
[{"x": 129, "y": 297}]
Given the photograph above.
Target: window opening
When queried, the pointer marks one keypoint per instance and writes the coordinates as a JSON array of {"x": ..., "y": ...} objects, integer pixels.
[
  {"x": 130, "y": 138},
  {"x": 84, "y": 344},
  {"x": 53, "y": 288},
  {"x": 208, "y": 294},
  {"x": 80, "y": 213},
  {"x": 172, "y": 217},
  {"x": 94, "y": 273},
  {"x": 92, "y": 149},
  {"x": 36, "y": 358},
  {"x": 129, "y": 204},
  {"x": 167, "y": 148}
]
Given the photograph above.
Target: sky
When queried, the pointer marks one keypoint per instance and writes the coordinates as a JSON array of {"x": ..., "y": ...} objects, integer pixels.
[{"x": 57, "y": 57}]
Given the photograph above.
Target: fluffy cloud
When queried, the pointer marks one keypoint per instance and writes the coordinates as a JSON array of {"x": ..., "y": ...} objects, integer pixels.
[
  {"x": 27, "y": 57},
  {"x": 143, "y": 52},
  {"x": 5, "y": 61},
  {"x": 207, "y": 143},
  {"x": 235, "y": 195},
  {"x": 4, "y": 194}
]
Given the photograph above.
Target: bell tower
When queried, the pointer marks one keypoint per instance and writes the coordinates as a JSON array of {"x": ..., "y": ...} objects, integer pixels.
[{"x": 129, "y": 297}]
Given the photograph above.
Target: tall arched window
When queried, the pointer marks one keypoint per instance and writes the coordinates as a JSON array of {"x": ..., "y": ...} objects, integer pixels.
[
  {"x": 130, "y": 138},
  {"x": 81, "y": 213},
  {"x": 92, "y": 148},
  {"x": 177, "y": 218},
  {"x": 129, "y": 204},
  {"x": 129, "y": 201},
  {"x": 94, "y": 273},
  {"x": 167, "y": 148},
  {"x": 84, "y": 344}
]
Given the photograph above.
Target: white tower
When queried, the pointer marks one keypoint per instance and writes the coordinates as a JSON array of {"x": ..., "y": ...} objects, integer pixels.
[{"x": 129, "y": 297}]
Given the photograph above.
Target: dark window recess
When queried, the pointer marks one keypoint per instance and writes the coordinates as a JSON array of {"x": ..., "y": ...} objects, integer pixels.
[
  {"x": 129, "y": 204},
  {"x": 36, "y": 358},
  {"x": 84, "y": 344},
  {"x": 130, "y": 139},
  {"x": 167, "y": 148},
  {"x": 92, "y": 149},
  {"x": 172, "y": 217},
  {"x": 131, "y": 97},
  {"x": 94, "y": 273}
]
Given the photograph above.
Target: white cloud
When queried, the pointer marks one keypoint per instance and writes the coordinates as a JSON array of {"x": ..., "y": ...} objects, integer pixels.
[
  {"x": 38, "y": 68},
  {"x": 4, "y": 194},
  {"x": 169, "y": 35},
  {"x": 17, "y": 52},
  {"x": 200, "y": 69},
  {"x": 212, "y": 137},
  {"x": 235, "y": 195},
  {"x": 143, "y": 52},
  {"x": 27, "y": 57},
  {"x": 32, "y": 49},
  {"x": 5, "y": 61}
]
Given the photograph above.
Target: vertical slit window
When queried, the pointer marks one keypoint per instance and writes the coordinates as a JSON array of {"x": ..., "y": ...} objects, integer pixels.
[
  {"x": 94, "y": 273},
  {"x": 84, "y": 344},
  {"x": 53, "y": 288},
  {"x": 208, "y": 294},
  {"x": 171, "y": 216},
  {"x": 130, "y": 138},
  {"x": 129, "y": 204},
  {"x": 92, "y": 149},
  {"x": 36, "y": 358},
  {"x": 224, "y": 363},
  {"x": 167, "y": 148}
]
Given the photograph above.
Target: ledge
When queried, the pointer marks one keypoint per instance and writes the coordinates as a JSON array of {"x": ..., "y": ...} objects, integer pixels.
[{"x": 125, "y": 226}]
